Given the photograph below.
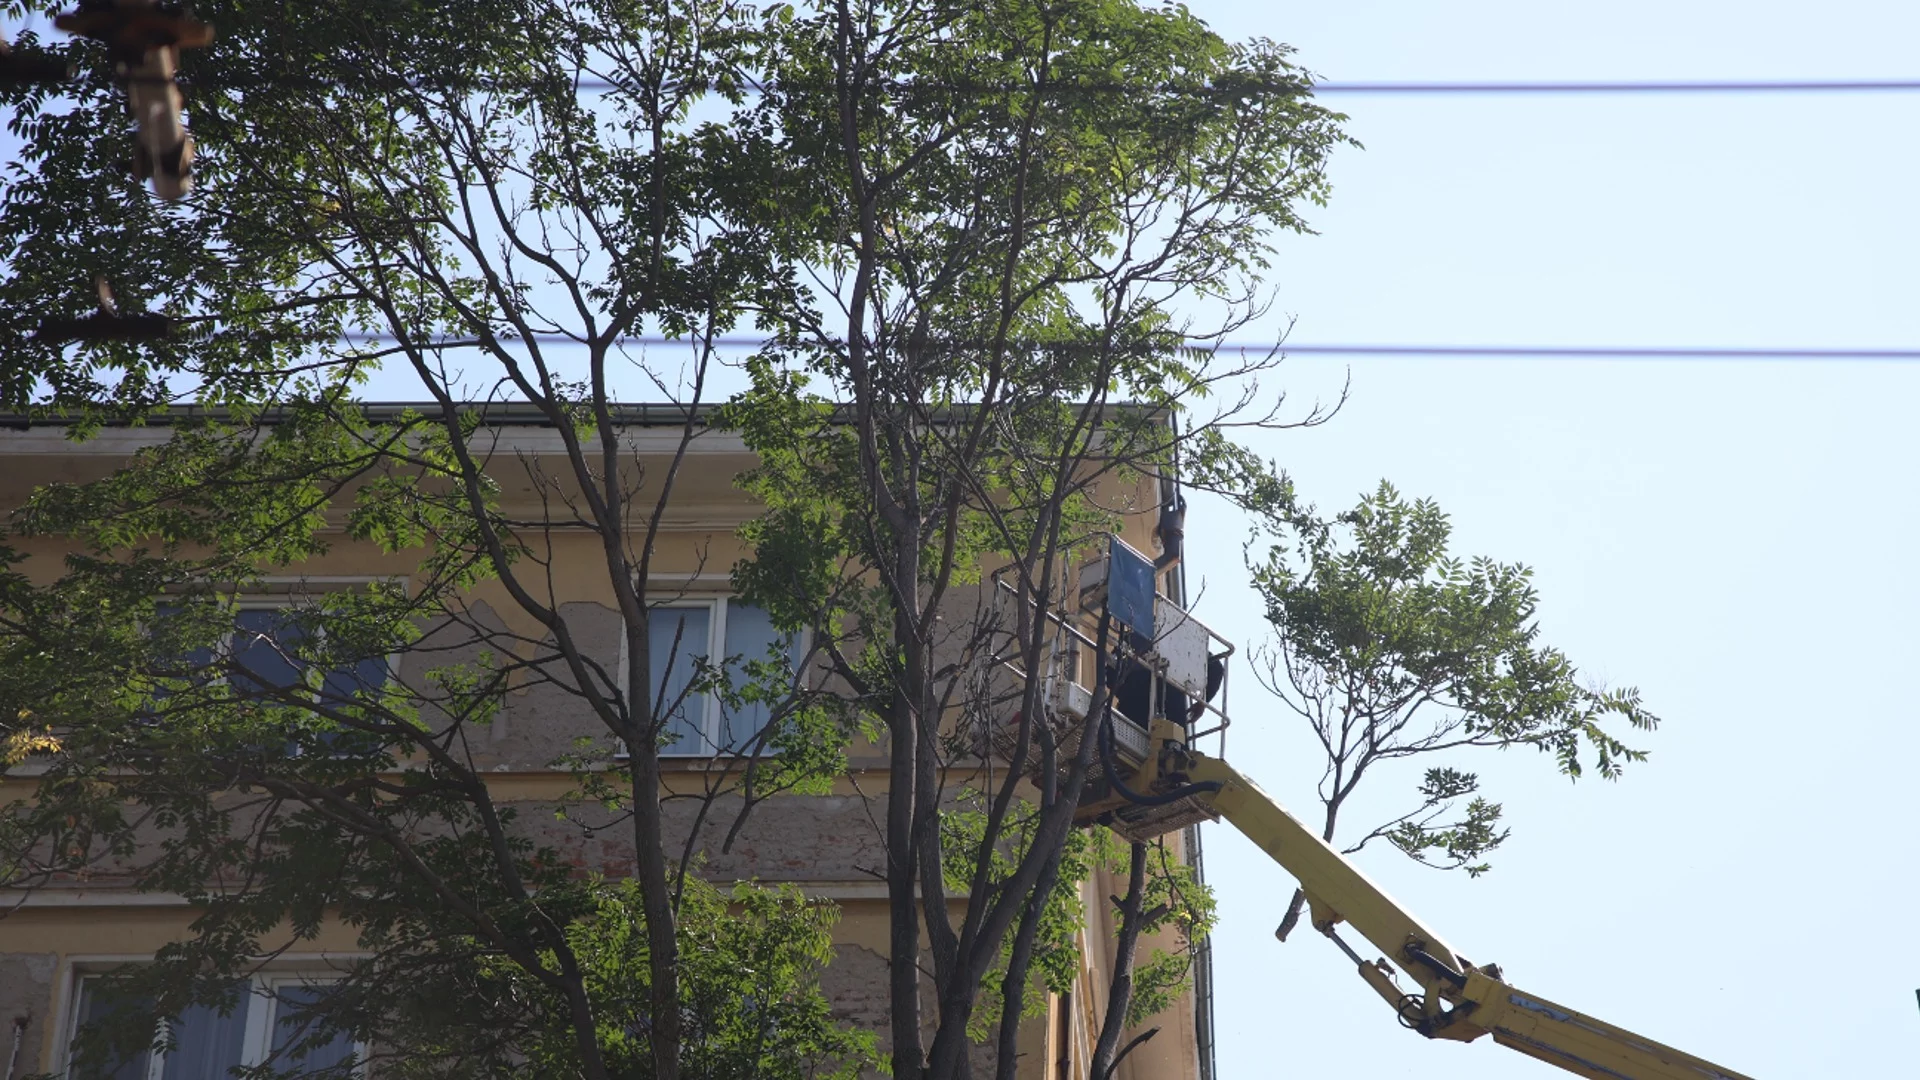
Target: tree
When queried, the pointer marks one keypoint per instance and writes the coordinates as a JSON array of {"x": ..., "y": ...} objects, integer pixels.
[
  {"x": 1393, "y": 651},
  {"x": 751, "y": 1002},
  {"x": 974, "y": 235},
  {"x": 749, "y": 978},
  {"x": 1013, "y": 207}
]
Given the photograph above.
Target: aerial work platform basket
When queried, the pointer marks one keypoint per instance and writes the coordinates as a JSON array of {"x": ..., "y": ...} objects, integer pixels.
[{"x": 1122, "y": 659}]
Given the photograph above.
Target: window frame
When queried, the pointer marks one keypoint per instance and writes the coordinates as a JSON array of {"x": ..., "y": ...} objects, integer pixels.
[
  {"x": 256, "y": 1045},
  {"x": 716, "y": 603}
]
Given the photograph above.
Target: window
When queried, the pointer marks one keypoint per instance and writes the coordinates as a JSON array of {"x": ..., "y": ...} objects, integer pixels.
[
  {"x": 270, "y": 651},
  {"x": 268, "y": 1019},
  {"x": 682, "y": 633},
  {"x": 266, "y": 646}
]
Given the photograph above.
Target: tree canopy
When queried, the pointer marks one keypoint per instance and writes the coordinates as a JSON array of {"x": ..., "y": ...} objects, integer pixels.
[
  {"x": 1393, "y": 650},
  {"x": 985, "y": 248}
]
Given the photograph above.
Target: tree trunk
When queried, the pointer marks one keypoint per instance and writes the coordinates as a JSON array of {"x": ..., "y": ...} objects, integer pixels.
[
  {"x": 1120, "y": 991},
  {"x": 663, "y": 948}
]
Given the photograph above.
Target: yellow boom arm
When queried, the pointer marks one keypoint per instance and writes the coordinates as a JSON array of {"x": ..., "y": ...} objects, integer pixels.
[{"x": 1455, "y": 1000}]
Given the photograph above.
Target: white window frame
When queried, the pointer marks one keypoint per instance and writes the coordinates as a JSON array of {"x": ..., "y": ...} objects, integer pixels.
[
  {"x": 293, "y": 969},
  {"x": 715, "y": 603}
]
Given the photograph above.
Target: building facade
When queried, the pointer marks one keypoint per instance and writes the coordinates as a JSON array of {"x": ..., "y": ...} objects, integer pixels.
[{"x": 55, "y": 934}]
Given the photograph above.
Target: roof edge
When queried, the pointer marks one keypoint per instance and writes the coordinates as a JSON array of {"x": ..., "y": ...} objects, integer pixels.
[{"x": 494, "y": 413}]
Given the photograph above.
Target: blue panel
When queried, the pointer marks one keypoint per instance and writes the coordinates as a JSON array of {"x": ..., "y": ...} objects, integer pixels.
[{"x": 1130, "y": 591}]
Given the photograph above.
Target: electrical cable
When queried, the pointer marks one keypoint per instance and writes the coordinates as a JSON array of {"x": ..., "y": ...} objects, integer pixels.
[
  {"x": 1680, "y": 86},
  {"x": 1378, "y": 88},
  {"x": 162, "y": 328},
  {"x": 1566, "y": 352},
  {"x": 1228, "y": 88},
  {"x": 1335, "y": 86}
]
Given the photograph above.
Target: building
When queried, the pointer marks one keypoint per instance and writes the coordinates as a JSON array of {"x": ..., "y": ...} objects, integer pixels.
[{"x": 56, "y": 933}]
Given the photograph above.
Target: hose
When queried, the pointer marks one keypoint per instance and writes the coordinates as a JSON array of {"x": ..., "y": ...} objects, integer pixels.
[{"x": 1113, "y": 774}]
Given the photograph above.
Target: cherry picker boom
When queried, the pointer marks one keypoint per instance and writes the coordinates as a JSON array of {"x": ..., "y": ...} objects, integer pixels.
[
  {"x": 1154, "y": 658},
  {"x": 1456, "y": 1000}
]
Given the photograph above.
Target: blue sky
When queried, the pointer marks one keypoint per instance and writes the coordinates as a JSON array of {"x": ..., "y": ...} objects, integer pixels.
[{"x": 1733, "y": 538}]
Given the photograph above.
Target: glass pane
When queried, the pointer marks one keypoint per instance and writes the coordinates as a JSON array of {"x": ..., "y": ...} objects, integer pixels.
[
  {"x": 293, "y": 1024},
  {"x": 95, "y": 1008},
  {"x": 207, "y": 1044},
  {"x": 751, "y": 638},
  {"x": 675, "y": 636},
  {"x": 194, "y": 666},
  {"x": 342, "y": 687},
  {"x": 264, "y": 641},
  {"x": 363, "y": 677}
]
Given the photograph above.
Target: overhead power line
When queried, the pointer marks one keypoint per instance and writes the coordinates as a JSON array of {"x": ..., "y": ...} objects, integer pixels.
[
  {"x": 1582, "y": 352},
  {"x": 1561, "y": 352},
  {"x": 1662, "y": 86},
  {"x": 1593, "y": 352},
  {"x": 1762, "y": 86},
  {"x": 1370, "y": 88}
]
